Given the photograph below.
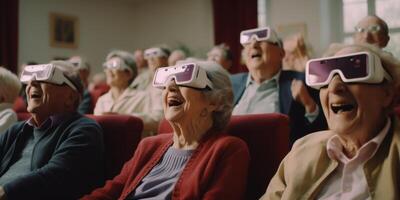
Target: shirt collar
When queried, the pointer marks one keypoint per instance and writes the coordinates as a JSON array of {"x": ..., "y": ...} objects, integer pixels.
[
  {"x": 275, "y": 77},
  {"x": 335, "y": 148},
  {"x": 52, "y": 121}
]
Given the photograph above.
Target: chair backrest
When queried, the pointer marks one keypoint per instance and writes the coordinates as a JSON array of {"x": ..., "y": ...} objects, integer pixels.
[
  {"x": 97, "y": 92},
  {"x": 122, "y": 134},
  {"x": 397, "y": 111},
  {"x": 23, "y": 116},
  {"x": 19, "y": 105},
  {"x": 267, "y": 137}
]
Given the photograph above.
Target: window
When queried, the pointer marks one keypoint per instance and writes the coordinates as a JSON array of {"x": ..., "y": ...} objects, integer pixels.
[{"x": 388, "y": 10}]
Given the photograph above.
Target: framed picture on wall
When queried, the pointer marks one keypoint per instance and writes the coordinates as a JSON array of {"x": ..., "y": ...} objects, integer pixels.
[{"x": 63, "y": 31}]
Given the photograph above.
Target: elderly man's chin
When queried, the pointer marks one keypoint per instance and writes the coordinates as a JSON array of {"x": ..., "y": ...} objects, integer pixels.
[{"x": 342, "y": 121}]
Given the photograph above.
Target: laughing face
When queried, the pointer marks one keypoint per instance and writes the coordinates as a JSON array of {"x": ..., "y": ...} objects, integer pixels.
[
  {"x": 46, "y": 99},
  {"x": 263, "y": 55},
  {"x": 352, "y": 108},
  {"x": 183, "y": 104}
]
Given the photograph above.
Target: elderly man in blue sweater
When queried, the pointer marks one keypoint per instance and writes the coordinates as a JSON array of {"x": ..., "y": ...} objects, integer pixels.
[{"x": 57, "y": 153}]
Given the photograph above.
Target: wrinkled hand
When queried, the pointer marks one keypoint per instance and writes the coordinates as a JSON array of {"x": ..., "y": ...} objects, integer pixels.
[
  {"x": 2, "y": 194},
  {"x": 301, "y": 95}
]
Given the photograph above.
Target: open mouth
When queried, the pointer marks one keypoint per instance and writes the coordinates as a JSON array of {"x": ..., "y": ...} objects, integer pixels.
[
  {"x": 256, "y": 55},
  {"x": 339, "y": 108},
  {"x": 172, "y": 102}
]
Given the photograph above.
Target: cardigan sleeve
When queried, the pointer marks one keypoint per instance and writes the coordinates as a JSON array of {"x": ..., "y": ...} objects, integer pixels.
[{"x": 230, "y": 177}]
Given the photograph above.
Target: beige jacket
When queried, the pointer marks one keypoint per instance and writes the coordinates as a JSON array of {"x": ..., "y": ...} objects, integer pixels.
[
  {"x": 304, "y": 170},
  {"x": 145, "y": 104}
]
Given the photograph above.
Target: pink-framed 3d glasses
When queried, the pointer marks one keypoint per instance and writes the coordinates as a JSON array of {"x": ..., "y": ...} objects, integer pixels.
[
  {"x": 116, "y": 63},
  {"x": 363, "y": 67},
  {"x": 154, "y": 52},
  {"x": 189, "y": 75},
  {"x": 46, "y": 73},
  {"x": 259, "y": 34}
]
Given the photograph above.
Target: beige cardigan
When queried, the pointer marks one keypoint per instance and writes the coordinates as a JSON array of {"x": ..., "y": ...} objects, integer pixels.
[{"x": 304, "y": 170}]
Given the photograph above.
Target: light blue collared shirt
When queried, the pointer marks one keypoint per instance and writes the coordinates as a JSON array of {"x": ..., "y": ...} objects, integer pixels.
[
  {"x": 263, "y": 98},
  {"x": 259, "y": 98}
]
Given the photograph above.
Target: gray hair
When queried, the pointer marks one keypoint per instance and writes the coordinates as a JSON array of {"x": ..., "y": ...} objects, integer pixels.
[
  {"x": 221, "y": 93},
  {"x": 10, "y": 85},
  {"x": 69, "y": 72},
  {"x": 127, "y": 57}
]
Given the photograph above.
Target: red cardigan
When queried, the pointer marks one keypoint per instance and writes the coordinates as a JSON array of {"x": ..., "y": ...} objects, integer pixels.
[{"x": 216, "y": 170}]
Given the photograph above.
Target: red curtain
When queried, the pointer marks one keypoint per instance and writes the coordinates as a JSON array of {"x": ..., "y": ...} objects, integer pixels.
[
  {"x": 9, "y": 34},
  {"x": 231, "y": 17}
]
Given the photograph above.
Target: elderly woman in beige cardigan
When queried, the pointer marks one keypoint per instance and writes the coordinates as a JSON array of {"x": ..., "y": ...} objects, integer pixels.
[{"x": 359, "y": 156}]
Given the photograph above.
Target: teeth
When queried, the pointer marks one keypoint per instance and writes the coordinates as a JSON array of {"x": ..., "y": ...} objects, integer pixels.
[
  {"x": 174, "y": 102},
  {"x": 339, "y": 108}
]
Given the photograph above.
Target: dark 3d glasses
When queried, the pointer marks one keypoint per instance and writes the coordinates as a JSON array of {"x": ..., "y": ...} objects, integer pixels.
[
  {"x": 259, "y": 34},
  {"x": 363, "y": 67},
  {"x": 190, "y": 75},
  {"x": 46, "y": 73}
]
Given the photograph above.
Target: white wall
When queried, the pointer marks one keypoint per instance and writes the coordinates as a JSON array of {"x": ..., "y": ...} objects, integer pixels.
[
  {"x": 106, "y": 25},
  {"x": 286, "y": 12}
]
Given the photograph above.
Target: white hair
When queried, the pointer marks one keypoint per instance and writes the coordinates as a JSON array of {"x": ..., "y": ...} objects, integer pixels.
[{"x": 10, "y": 85}]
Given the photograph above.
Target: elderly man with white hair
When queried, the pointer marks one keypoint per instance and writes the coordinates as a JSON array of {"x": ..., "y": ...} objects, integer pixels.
[
  {"x": 358, "y": 157},
  {"x": 57, "y": 153},
  {"x": 9, "y": 90}
]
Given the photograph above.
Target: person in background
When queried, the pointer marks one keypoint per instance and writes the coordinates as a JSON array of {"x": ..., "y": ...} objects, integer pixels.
[
  {"x": 120, "y": 69},
  {"x": 98, "y": 80},
  {"x": 222, "y": 55},
  {"x": 358, "y": 157},
  {"x": 197, "y": 160},
  {"x": 57, "y": 153},
  {"x": 156, "y": 57},
  {"x": 269, "y": 89},
  {"x": 9, "y": 91},
  {"x": 83, "y": 68},
  {"x": 372, "y": 30},
  {"x": 296, "y": 53},
  {"x": 141, "y": 63},
  {"x": 176, "y": 56}
]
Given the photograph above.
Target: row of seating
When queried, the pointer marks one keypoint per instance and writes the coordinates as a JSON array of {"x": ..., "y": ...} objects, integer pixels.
[{"x": 265, "y": 134}]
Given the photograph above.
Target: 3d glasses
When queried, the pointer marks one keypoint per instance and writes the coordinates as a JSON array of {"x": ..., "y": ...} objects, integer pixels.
[
  {"x": 189, "y": 75},
  {"x": 116, "y": 63},
  {"x": 370, "y": 29},
  {"x": 260, "y": 34},
  {"x": 46, "y": 73},
  {"x": 154, "y": 52},
  {"x": 364, "y": 67}
]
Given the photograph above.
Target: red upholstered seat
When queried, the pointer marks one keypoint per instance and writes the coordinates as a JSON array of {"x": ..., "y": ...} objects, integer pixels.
[
  {"x": 23, "y": 116},
  {"x": 122, "y": 134},
  {"x": 19, "y": 105},
  {"x": 397, "y": 111},
  {"x": 267, "y": 136}
]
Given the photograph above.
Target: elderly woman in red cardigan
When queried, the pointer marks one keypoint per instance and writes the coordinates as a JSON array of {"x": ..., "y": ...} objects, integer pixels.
[{"x": 196, "y": 161}]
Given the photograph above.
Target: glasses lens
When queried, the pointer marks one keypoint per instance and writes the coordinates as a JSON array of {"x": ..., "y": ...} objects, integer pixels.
[
  {"x": 352, "y": 67},
  {"x": 161, "y": 76},
  {"x": 40, "y": 72},
  {"x": 260, "y": 35},
  {"x": 186, "y": 74}
]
